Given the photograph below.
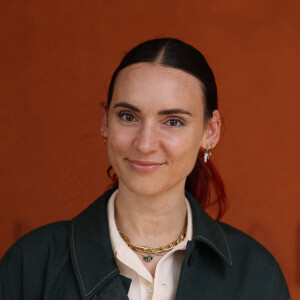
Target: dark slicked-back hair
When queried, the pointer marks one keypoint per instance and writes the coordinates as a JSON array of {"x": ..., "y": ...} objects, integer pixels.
[{"x": 175, "y": 54}]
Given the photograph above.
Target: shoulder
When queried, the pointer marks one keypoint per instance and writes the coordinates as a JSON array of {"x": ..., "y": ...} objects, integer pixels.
[
  {"x": 37, "y": 246},
  {"x": 44, "y": 236},
  {"x": 253, "y": 263},
  {"x": 26, "y": 263},
  {"x": 243, "y": 247}
]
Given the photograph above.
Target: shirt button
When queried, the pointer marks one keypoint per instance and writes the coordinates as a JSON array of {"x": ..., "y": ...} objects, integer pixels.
[{"x": 150, "y": 288}]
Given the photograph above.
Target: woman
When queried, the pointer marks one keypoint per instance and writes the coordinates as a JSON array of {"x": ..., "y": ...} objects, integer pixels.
[{"x": 148, "y": 237}]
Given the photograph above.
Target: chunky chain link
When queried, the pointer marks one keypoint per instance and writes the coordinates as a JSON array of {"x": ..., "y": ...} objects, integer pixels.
[{"x": 159, "y": 250}]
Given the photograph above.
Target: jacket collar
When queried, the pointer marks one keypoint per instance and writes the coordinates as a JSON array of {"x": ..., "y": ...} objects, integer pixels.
[
  {"x": 91, "y": 252},
  {"x": 209, "y": 231},
  {"x": 92, "y": 255}
]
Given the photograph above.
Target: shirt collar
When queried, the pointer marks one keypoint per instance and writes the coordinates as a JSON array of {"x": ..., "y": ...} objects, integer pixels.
[
  {"x": 120, "y": 249},
  {"x": 91, "y": 250},
  {"x": 124, "y": 254}
]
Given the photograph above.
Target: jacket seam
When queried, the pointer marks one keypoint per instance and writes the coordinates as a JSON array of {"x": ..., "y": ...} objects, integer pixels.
[
  {"x": 226, "y": 242},
  {"x": 76, "y": 260},
  {"x": 216, "y": 248}
]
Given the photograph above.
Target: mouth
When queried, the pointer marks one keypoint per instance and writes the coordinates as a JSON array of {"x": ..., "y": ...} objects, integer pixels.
[{"x": 144, "y": 166}]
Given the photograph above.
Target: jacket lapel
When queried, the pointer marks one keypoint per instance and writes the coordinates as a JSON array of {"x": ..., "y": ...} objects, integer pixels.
[
  {"x": 91, "y": 252},
  {"x": 207, "y": 257},
  {"x": 208, "y": 231}
]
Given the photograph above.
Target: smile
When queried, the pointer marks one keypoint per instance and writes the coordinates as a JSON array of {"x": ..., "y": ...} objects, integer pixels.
[{"x": 144, "y": 166}]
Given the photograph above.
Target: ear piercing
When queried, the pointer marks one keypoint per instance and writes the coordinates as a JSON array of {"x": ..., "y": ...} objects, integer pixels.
[
  {"x": 207, "y": 154},
  {"x": 104, "y": 139}
]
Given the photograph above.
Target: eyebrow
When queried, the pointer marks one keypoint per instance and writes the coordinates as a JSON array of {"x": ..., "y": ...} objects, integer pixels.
[
  {"x": 174, "y": 111},
  {"x": 127, "y": 105},
  {"x": 161, "y": 112}
]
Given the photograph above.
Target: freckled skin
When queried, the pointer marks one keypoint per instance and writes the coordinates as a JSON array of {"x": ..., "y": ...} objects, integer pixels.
[{"x": 149, "y": 137}]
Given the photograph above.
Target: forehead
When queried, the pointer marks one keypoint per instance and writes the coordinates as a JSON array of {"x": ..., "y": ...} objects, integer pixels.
[{"x": 153, "y": 82}]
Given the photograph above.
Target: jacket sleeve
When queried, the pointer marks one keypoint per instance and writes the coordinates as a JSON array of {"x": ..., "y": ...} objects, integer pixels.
[
  {"x": 11, "y": 274},
  {"x": 277, "y": 285}
]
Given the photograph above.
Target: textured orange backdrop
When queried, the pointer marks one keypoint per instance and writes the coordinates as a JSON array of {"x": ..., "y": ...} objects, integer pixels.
[{"x": 56, "y": 59}]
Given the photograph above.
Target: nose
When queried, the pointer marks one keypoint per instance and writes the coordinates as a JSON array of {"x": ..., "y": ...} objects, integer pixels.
[{"x": 147, "y": 139}]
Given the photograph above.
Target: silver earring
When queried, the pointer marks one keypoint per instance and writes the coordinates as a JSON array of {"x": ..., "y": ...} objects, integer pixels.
[{"x": 207, "y": 154}]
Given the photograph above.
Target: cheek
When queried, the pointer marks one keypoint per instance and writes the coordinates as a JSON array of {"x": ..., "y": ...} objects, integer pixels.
[
  {"x": 184, "y": 149},
  {"x": 116, "y": 148},
  {"x": 119, "y": 140},
  {"x": 187, "y": 141}
]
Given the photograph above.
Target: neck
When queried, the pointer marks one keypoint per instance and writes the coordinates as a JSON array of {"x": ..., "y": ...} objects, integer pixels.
[{"x": 150, "y": 220}]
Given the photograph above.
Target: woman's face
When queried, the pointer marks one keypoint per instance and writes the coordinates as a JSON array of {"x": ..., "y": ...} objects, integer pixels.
[{"x": 155, "y": 128}]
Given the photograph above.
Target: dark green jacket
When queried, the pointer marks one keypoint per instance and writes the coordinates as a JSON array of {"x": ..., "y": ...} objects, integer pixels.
[{"x": 74, "y": 260}]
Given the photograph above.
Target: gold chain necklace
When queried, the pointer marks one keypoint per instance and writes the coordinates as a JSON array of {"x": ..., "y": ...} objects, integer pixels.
[{"x": 150, "y": 251}]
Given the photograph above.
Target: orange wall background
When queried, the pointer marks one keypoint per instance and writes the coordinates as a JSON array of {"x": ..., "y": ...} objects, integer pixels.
[{"x": 56, "y": 59}]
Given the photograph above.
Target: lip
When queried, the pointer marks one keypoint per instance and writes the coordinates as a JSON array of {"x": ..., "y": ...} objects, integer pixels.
[{"x": 144, "y": 166}]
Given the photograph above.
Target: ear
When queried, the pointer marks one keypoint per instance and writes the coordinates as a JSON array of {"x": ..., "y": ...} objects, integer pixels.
[
  {"x": 104, "y": 126},
  {"x": 212, "y": 131}
]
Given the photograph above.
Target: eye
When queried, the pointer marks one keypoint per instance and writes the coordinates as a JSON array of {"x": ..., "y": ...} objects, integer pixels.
[
  {"x": 175, "y": 123},
  {"x": 126, "y": 117}
]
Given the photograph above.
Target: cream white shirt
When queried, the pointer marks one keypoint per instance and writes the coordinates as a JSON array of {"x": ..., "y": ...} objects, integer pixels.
[{"x": 143, "y": 285}]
